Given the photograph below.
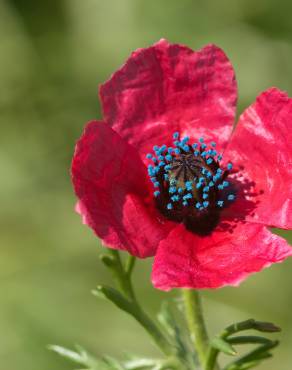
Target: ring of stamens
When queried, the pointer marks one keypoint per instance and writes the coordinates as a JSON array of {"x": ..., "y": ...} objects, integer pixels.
[{"x": 189, "y": 184}]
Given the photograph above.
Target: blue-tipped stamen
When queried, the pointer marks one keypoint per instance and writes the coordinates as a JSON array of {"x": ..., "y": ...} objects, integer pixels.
[
  {"x": 180, "y": 190},
  {"x": 172, "y": 189},
  {"x": 187, "y": 196},
  {"x": 229, "y": 166},
  {"x": 189, "y": 175}
]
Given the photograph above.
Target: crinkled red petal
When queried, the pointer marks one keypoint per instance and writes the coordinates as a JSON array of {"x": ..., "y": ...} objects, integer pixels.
[
  {"x": 226, "y": 257},
  {"x": 167, "y": 88},
  {"x": 111, "y": 183},
  {"x": 261, "y": 148}
]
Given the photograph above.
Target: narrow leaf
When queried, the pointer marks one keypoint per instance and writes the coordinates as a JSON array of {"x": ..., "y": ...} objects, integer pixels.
[
  {"x": 255, "y": 356},
  {"x": 266, "y": 327},
  {"x": 168, "y": 321},
  {"x": 112, "y": 363},
  {"x": 223, "y": 346},
  {"x": 114, "y": 296},
  {"x": 107, "y": 260},
  {"x": 80, "y": 357},
  {"x": 249, "y": 339},
  {"x": 250, "y": 324},
  {"x": 140, "y": 364},
  {"x": 67, "y": 353}
]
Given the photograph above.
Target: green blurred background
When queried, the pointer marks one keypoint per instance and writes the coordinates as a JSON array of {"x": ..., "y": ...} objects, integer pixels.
[{"x": 53, "y": 55}]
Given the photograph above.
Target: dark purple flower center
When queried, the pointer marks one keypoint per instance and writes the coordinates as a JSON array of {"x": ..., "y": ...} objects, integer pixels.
[{"x": 189, "y": 184}]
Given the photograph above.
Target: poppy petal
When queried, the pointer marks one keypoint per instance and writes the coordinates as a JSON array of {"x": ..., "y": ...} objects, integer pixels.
[
  {"x": 111, "y": 183},
  {"x": 167, "y": 88},
  {"x": 261, "y": 147},
  {"x": 224, "y": 258}
]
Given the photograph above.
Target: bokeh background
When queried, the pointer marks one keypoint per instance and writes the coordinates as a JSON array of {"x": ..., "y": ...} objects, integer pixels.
[{"x": 53, "y": 55}]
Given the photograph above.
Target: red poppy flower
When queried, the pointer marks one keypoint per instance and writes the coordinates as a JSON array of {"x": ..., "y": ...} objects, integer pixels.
[{"x": 164, "y": 174}]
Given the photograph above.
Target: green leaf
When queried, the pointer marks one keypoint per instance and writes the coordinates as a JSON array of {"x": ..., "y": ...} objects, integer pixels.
[
  {"x": 130, "y": 264},
  {"x": 266, "y": 327},
  {"x": 253, "y": 357},
  {"x": 246, "y": 365},
  {"x": 223, "y": 346},
  {"x": 135, "y": 310},
  {"x": 249, "y": 339},
  {"x": 68, "y": 354},
  {"x": 112, "y": 363},
  {"x": 168, "y": 320},
  {"x": 140, "y": 364},
  {"x": 114, "y": 296},
  {"x": 107, "y": 260},
  {"x": 81, "y": 357},
  {"x": 250, "y": 324},
  {"x": 260, "y": 352}
]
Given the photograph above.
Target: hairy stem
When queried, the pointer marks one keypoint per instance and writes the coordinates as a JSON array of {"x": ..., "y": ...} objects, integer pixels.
[
  {"x": 122, "y": 276},
  {"x": 194, "y": 316}
]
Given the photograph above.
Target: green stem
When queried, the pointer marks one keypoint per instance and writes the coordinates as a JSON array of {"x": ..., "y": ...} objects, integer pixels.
[
  {"x": 196, "y": 323},
  {"x": 211, "y": 358},
  {"x": 153, "y": 330},
  {"x": 123, "y": 277},
  {"x": 130, "y": 264}
]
